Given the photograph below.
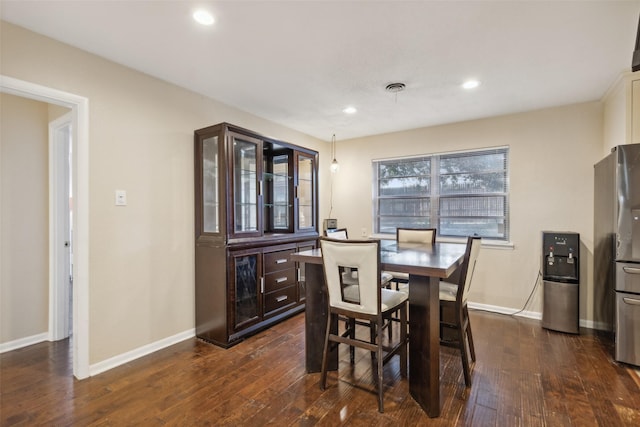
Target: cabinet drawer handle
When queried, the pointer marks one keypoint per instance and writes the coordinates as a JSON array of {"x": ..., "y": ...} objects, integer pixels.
[
  {"x": 631, "y": 270},
  {"x": 281, "y": 298},
  {"x": 631, "y": 301},
  {"x": 281, "y": 279},
  {"x": 281, "y": 261}
]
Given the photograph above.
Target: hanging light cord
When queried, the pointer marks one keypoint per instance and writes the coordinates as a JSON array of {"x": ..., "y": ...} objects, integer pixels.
[
  {"x": 333, "y": 147},
  {"x": 333, "y": 156},
  {"x": 331, "y": 196}
]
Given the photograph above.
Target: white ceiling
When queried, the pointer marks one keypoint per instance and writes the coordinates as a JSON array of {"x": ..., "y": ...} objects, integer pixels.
[{"x": 299, "y": 63}]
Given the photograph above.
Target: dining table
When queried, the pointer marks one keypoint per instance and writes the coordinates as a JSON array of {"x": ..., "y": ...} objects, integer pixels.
[{"x": 426, "y": 264}]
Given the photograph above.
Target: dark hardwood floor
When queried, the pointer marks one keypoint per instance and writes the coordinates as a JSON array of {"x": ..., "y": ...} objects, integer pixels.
[{"x": 524, "y": 376}]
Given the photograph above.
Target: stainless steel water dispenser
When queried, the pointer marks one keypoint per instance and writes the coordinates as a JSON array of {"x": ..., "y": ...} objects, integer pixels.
[{"x": 560, "y": 275}]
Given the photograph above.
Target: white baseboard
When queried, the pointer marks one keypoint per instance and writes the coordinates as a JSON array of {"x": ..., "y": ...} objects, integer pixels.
[
  {"x": 121, "y": 359},
  {"x": 23, "y": 342},
  {"x": 590, "y": 324},
  {"x": 505, "y": 310}
]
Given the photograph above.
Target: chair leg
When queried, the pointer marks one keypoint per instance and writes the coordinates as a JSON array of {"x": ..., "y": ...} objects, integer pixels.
[
  {"x": 465, "y": 364},
  {"x": 403, "y": 337},
  {"x": 352, "y": 334},
  {"x": 472, "y": 348},
  {"x": 372, "y": 337},
  {"x": 462, "y": 345},
  {"x": 380, "y": 357},
  {"x": 376, "y": 331},
  {"x": 325, "y": 355}
]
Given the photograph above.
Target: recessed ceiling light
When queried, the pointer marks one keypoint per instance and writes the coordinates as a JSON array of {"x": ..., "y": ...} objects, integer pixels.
[
  {"x": 471, "y": 84},
  {"x": 350, "y": 110},
  {"x": 203, "y": 17}
]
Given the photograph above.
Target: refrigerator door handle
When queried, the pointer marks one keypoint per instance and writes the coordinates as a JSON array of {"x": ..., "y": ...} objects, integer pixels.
[
  {"x": 631, "y": 270},
  {"x": 631, "y": 301}
]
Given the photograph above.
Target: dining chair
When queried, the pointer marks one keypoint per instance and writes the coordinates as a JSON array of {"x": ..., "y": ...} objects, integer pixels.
[
  {"x": 454, "y": 314},
  {"x": 337, "y": 233},
  {"x": 411, "y": 235},
  {"x": 416, "y": 235},
  {"x": 351, "y": 275},
  {"x": 374, "y": 304}
]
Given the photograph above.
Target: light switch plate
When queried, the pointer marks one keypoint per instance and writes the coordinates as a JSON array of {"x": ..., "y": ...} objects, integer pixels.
[{"x": 121, "y": 198}]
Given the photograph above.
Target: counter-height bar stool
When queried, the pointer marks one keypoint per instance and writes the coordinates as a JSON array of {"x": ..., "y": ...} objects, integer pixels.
[
  {"x": 337, "y": 233},
  {"x": 454, "y": 314},
  {"x": 350, "y": 277},
  {"x": 411, "y": 235},
  {"x": 343, "y": 234},
  {"x": 374, "y": 304},
  {"x": 425, "y": 236}
]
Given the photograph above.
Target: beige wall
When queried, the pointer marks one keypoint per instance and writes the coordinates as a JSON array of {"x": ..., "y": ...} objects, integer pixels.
[
  {"x": 141, "y": 141},
  {"x": 24, "y": 218},
  {"x": 141, "y": 284},
  {"x": 551, "y": 153}
]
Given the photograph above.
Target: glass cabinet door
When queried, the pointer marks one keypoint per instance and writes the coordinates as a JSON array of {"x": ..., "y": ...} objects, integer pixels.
[
  {"x": 246, "y": 185},
  {"x": 247, "y": 276},
  {"x": 280, "y": 193},
  {"x": 305, "y": 191},
  {"x": 278, "y": 188},
  {"x": 210, "y": 186}
]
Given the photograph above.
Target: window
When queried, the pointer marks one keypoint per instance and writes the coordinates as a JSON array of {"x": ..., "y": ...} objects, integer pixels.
[{"x": 460, "y": 194}]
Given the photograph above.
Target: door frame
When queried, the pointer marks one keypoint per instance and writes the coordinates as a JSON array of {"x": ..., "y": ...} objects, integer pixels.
[
  {"x": 59, "y": 228},
  {"x": 79, "y": 106}
]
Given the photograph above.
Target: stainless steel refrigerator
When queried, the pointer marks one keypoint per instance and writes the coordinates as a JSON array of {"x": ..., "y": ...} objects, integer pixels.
[{"x": 617, "y": 248}]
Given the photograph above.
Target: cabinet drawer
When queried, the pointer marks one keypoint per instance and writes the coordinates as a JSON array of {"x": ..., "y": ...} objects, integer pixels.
[
  {"x": 276, "y": 261},
  {"x": 279, "y": 299},
  {"x": 279, "y": 280}
]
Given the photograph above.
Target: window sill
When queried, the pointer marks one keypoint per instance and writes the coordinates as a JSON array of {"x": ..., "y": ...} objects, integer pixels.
[{"x": 489, "y": 244}]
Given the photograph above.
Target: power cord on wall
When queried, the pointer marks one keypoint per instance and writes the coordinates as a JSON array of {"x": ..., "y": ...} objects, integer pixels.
[
  {"x": 535, "y": 286},
  {"x": 527, "y": 302}
]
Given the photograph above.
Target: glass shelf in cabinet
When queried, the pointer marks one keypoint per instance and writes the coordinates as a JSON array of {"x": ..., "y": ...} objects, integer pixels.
[{"x": 268, "y": 176}]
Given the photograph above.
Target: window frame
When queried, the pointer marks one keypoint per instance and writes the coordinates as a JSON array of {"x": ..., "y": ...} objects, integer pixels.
[{"x": 493, "y": 198}]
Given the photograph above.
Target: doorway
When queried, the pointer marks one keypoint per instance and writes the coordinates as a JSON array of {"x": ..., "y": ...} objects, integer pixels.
[{"x": 80, "y": 220}]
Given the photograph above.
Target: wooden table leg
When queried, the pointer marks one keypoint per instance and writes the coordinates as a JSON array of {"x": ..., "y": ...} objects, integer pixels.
[
  {"x": 315, "y": 323},
  {"x": 424, "y": 343}
]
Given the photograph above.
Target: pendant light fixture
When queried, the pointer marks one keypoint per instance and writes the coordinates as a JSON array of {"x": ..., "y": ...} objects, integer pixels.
[{"x": 334, "y": 163}]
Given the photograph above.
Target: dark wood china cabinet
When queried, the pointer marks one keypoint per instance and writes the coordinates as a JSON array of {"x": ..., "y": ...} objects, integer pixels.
[{"x": 255, "y": 205}]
